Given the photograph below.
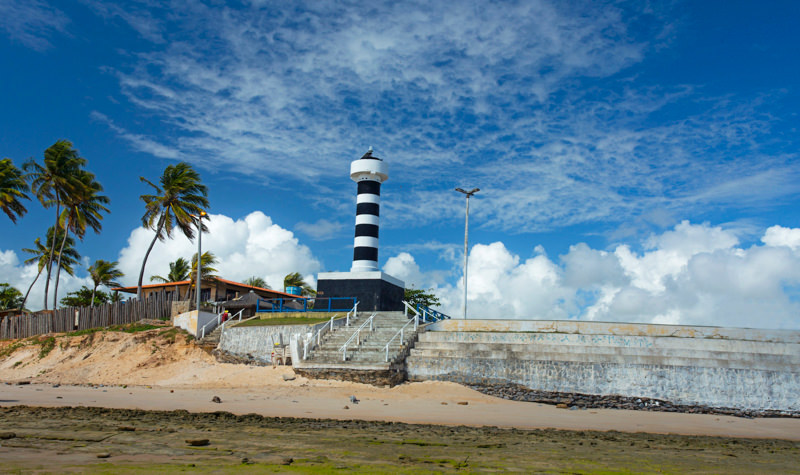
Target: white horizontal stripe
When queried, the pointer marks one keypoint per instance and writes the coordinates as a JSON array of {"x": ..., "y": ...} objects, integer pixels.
[
  {"x": 367, "y": 219},
  {"x": 365, "y": 241},
  {"x": 364, "y": 266},
  {"x": 368, "y": 198}
]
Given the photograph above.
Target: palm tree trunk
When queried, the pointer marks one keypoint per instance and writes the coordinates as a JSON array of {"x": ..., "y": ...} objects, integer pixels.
[
  {"x": 29, "y": 289},
  {"x": 146, "y": 255},
  {"x": 52, "y": 250},
  {"x": 91, "y": 302},
  {"x": 58, "y": 267}
]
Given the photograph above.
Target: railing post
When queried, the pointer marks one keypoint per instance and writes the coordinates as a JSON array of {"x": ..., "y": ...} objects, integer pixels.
[
  {"x": 305, "y": 351},
  {"x": 401, "y": 337}
]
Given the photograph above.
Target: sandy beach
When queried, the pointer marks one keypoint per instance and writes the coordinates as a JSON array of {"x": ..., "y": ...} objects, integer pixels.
[{"x": 161, "y": 370}]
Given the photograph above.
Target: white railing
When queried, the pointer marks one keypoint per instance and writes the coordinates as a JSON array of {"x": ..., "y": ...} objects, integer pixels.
[
  {"x": 354, "y": 311},
  {"x": 408, "y": 307},
  {"x": 357, "y": 336},
  {"x": 217, "y": 322},
  {"x": 237, "y": 317},
  {"x": 415, "y": 321},
  {"x": 318, "y": 336}
]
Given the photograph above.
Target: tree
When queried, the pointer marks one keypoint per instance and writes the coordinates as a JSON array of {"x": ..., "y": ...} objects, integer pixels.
[
  {"x": 256, "y": 282},
  {"x": 84, "y": 297},
  {"x": 207, "y": 272},
  {"x": 10, "y": 297},
  {"x": 41, "y": 255},
  {"x": 82, "y": 209},
  {"x": 178, "y": 272},
  {"x": 13, "y": 188},
  {"x": 104, "y": 273},
  {"x": 420, "y": 297},
  {"x": 296, "y": 280},
  {"x": 179, "y": 196},
  {"x": 52, "y": 182}
]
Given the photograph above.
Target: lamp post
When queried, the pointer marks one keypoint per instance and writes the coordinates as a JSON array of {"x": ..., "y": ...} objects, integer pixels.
[
  {"x": 199, "y": 255},
  {"x": 466, "y": 240}
]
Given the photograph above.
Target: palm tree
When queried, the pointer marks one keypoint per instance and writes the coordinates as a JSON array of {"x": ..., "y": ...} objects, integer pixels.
[
  {"x": 10, "y": 297},
  {"x": 41, "y": 255},
  {"x": 52, "y": 182},
  {"x": 179, "y": 196},
  {"x": 104, "y": 273},
  {"x": 207, "y": 272},
  {"x": 13, "y": 188},
  {"x": 178, "y": 272},
  {"x": 256, "y": 282},
  {"x": 296, "y": 280},
  {"x": 82, "y": 209}
]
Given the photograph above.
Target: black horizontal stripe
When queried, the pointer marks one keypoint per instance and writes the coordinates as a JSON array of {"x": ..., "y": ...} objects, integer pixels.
[
  {"x": 366, "y": 230},
  {"x": 368, "y": 208},
  {"x": 365, "y": 254},
  {"x": 369, "y": 186}
]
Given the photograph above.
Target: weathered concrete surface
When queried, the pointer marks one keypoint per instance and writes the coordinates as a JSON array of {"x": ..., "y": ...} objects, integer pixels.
[
  {"x": 193, "y": 321},
  {"x": 258, "y": 341},
  {"x": 721, "y": 367}
]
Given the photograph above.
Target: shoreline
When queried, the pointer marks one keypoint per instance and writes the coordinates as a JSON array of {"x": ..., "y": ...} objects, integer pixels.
[{"x": 429, "y": 403}]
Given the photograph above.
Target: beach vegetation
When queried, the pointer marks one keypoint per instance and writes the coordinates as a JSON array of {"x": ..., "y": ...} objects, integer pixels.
[
  {"x": 85, "y": 297},
  {"x": 104, "y": 273},
  {"x": 256, "y": 282},
  {"x": 10, "y": 297},
  {"x": 180, "y": 201},
  {"x": 41, "y": 255},
  {"x": 13, "y": 189}
]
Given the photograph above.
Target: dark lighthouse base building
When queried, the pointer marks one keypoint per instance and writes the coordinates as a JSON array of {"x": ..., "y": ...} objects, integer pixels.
[{"x": 374, "y": 290}]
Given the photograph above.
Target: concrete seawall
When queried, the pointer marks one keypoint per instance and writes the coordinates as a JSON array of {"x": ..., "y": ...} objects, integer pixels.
[
  {"x": 720, "y": 367},
  {"x": 257, "y": 341}
]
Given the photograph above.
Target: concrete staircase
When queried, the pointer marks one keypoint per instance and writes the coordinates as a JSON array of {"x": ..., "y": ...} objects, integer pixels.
[
  {"x": 365, "y": 362},
  {"x": 211, "y": 341}
]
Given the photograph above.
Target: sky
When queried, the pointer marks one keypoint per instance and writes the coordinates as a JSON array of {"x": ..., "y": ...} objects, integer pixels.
[{"x": 638, "y": 161}]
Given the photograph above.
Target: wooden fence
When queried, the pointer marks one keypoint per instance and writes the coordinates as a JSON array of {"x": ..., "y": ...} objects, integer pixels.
[{"x": 157, "y": 307}]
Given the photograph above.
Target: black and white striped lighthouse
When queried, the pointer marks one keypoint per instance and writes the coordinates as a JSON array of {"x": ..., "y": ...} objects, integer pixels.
[
  {"x": 366, "y": 283},
  {"x": 369, "y": 172}
]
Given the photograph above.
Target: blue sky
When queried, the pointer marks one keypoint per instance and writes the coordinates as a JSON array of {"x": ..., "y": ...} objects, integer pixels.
[{"x": 634, "y": 159}]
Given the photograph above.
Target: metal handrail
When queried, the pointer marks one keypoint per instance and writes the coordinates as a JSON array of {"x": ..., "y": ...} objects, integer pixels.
[
  {"x": 357, "y": 336},
  {"x": 435, "y": 315},
  {"x": 216, "y": 320},
  {"x": 354, "y": 311},
  {"x": 408, "y": 307},
  {"x": 400, "y": 332},
  {"x": 231, "y": 319},
  {"x": 309, "y": 304},
  {"x": 318, "y": 336}
]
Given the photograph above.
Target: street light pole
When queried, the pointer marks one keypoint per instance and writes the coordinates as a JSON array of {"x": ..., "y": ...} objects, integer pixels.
[
  {"x": 466, "y": 241},
  {"x": 199, "y": 256}
]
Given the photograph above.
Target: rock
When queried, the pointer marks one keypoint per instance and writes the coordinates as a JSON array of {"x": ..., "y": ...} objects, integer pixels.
[
  {"x": 289, "y": 377},
  {"x": 7, "y": 435},
  {"x": 216, "y": 399},
  {"x": 463, "y": 403},
  {"x": 197, "y": 442},
  {"x": 444, "y": 403},
  {"x": 21, "y": 383},
  {"x": 346, "y": 407},
  {"x": 126, "y": 429},
  {"x": 561, "y": 406},
  {"x": 353, "y": 400},
  {"x": 287, "y": 461},
  {"x": 103, "y": 455}
]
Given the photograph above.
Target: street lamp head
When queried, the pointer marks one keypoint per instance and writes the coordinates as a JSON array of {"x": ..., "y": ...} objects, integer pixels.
[{"x": 468, "y": 193}]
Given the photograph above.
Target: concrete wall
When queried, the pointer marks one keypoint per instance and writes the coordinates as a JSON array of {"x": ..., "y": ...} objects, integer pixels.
[
  {"x": 192, "y": 322},
  {"x": 722, "y": 367},
  {"x": 257, "y": 341}
]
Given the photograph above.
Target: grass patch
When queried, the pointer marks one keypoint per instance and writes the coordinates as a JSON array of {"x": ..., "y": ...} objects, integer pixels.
[
  {"x": 10, "y": 349},
  {"x": 282, "y": 321},
  {"x": 47, "y": 346},
  {"x": 127, "y": 328}
]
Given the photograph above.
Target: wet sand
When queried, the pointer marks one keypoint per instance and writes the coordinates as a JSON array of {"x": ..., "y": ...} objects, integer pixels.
[{"x": 416, "y": 403}]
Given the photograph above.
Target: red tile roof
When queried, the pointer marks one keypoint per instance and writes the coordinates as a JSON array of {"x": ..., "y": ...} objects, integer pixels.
[{"x": 133, "y": 289}]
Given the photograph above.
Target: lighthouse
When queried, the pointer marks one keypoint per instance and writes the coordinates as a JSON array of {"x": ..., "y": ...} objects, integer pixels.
[
  {"x": 368, "y": 172},
  {"x": 374, "y": 290}
]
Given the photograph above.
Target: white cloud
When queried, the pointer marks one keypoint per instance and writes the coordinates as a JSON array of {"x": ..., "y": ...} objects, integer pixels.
[
  {"x": 32, "y": 22},
  {"x": 694, "y": 274},
  {"x": 321, "y": 229},
  {"x": 252, "y": 246}
]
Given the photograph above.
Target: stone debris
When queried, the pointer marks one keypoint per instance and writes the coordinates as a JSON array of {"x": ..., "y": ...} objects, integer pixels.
[
  {"x": 216, "y": 399},
  {"x": 516, "y": 392},
  {"x": 197, "y": 442},
  {"x": 289, "y": 377},
  {"x": 353, "y": 399},
  {"x": 103, "y": 455}
]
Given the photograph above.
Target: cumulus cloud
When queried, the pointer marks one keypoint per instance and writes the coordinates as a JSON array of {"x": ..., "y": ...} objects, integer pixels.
[
  {"x": 694, "y": 274},
  {"x": 250, "y": 246}
]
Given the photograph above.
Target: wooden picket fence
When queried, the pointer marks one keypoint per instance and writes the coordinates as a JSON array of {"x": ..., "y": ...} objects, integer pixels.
[{"x": 157, "y": 307}]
